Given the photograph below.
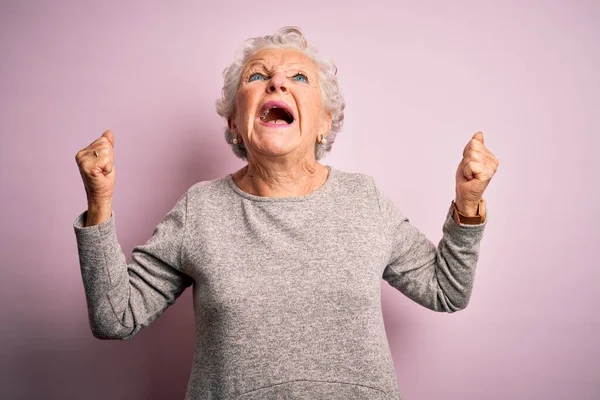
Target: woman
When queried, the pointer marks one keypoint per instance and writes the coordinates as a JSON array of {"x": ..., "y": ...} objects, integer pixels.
[{"x": 285, "y": 255}]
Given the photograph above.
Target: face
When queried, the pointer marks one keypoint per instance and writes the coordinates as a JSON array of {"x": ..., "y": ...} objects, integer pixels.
[{"x": 279, "y": 109}]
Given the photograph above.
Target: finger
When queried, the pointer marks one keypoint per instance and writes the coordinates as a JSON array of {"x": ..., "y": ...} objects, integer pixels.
[
  {"x": 108, "y": 168},
  {"x": 103, "y": 162},
  {"x": 474, "y": 145},
  {"x": 80, "y": 156},
  {"x": 478, "y": 136},
  {"x": 474, "y": 156},
  {"x": 491, "y": 161},
  {"x": 102, "y": 152},
  {"x": 110, "y": 136},
  {"x": 471, "y": 169},
  {"x": 493, "y": 158},
  {"x": 102, "y": 165},
  {"x": 484, "y": 156}
]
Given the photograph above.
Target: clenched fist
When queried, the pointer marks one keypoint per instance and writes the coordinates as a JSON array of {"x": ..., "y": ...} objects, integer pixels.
[
  {"x": 96, "y": 166},
  {"x": 473, "y": 174}
]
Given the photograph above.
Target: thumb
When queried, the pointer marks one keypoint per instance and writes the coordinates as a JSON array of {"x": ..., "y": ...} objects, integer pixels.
[
  {"x": 110, "y": 136},
  {"x": 478, "y": 136}
]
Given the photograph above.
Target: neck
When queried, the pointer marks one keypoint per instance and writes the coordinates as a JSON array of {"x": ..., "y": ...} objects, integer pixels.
[{"x": 274, "y": 178}]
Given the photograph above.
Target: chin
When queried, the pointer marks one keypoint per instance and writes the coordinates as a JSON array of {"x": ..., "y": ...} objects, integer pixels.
[
  {"x": 277, "y": 146},
  {"x": 275, "y": 151}
]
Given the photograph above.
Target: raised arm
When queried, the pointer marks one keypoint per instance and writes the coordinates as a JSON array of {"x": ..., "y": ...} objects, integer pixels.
[
  {"x": 437, "y": 277},
  {"x": 441, "y": 277},
  {"x": 123, "y": 298}
]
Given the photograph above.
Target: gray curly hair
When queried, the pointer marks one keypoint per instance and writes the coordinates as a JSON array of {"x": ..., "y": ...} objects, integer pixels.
[{"x": 286, "y": 37}]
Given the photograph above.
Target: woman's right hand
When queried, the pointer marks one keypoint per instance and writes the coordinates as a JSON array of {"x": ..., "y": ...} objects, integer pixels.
[{"x": 98, "y": 175}]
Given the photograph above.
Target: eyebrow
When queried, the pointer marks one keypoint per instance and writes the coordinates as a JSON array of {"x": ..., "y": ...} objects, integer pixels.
[{"x": 260, "y": 61}]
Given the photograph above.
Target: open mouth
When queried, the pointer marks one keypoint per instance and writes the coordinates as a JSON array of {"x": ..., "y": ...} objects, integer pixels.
[{"x": 276, "y": 113}]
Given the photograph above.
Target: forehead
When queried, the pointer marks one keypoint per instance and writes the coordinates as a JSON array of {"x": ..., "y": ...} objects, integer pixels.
[{"x": 277, "y": 57}]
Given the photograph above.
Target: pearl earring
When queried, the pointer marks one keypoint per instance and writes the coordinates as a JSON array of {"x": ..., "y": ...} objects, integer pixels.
[
  {"x": 322, "y": 139},
  {"x": 235, "y": 140}
]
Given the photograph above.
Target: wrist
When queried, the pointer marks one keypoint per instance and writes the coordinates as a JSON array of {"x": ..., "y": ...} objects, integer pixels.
[
  {"x": 467, "y": 208},
  {"x": 99, "y": 204},
  {"x": 98, "y": 213},
  {"x": 477, "y": 218}
]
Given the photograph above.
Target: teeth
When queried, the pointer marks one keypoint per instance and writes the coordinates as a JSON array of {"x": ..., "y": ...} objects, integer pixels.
[{"x": 264, "y": 114}]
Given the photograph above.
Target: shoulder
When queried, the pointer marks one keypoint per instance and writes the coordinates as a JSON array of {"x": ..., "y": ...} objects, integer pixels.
[
  {"x": 353, "y": 179},
  {"x": 220, "y": 184},
  {"x": 207, "y": 192},
  {"x": 363, "y": 188},
  {"x": 357, "y": 186},
  {"x": 205, "y": 187}
]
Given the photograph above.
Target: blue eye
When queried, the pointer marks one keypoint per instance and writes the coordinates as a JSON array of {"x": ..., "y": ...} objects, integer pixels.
[
  {"x": 300, "y": 77},
  {"x": 256, "y": 75}
]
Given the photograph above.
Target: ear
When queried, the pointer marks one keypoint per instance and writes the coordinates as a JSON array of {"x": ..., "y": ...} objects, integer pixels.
[
  {"x": 327, "y": 121},
  {"x": 231, "y": 125}
]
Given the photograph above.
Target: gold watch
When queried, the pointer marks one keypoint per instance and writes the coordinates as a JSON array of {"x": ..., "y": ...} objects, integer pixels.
[{"x": 464, "y": 219}]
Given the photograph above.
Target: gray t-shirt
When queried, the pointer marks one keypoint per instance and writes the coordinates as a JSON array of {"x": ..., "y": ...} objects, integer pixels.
[{"x": 287, "y": 291}]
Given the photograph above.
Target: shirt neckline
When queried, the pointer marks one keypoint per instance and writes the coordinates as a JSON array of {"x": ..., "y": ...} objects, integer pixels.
[{"x": 315, "y": 193}]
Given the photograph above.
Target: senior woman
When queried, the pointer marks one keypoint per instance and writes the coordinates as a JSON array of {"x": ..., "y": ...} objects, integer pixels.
[{"x": 285, "y": 255}]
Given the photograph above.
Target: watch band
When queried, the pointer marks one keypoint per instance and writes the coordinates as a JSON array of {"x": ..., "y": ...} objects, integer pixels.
[{"x": 468, "y": 220}]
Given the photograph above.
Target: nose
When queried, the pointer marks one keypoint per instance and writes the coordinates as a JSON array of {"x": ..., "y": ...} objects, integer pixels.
[{"x": 277, "y": 83}]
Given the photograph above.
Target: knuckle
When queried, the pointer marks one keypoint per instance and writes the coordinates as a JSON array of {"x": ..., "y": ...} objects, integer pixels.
[
  {"x": 477, "y": 145},
  {"x": 80, "y": 157}
]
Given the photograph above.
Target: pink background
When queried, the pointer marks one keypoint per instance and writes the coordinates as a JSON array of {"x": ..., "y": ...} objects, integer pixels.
[{"x": 419, "y": 78}]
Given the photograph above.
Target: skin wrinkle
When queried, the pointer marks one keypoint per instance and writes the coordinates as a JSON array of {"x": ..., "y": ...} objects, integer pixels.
[
  {"x": 228, "y": 254},
  {"x": 281, "y": 163},
  {"x": 268, "y": 70},
  {"x": 286, "y": 289}
]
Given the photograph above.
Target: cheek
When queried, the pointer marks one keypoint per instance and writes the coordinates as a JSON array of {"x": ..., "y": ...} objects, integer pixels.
[
  {"x": 242, "y": 107},
  {"x": 248, "y": 97},
  {"x": 314, "y": 107}
]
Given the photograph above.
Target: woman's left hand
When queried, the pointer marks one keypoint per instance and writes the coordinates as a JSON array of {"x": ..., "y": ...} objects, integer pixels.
[{"x": 473, "y": 174}]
